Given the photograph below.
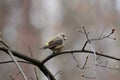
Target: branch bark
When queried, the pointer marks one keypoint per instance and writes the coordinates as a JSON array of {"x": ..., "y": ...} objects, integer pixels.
[
  {"x": 33, "y": 61},
  {"x": 40, "y": 64},
  {"x": 78, "y": 51}
]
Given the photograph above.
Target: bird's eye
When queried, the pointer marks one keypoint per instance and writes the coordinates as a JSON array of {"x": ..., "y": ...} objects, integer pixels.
[{"x": 63, "y": 35}]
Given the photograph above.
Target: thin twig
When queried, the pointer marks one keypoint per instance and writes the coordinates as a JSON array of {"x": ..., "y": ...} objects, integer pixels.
[
  {"x": 3, "y": 42},
  {"x": 57, "y": 73},
  {"x": 108, "y": 67},
  {"x": 102, "y": 32},
  {"x": 84, "y": 65},
  {"x": 106, "y": 63},
  {"x": 14, "y": 76},
  {"x": 86, "y": 34},
  {"x": 11, "y": 77},
  {"x": 90, "y": 44},
  {"x": 78, "y": 29},
  {"x": 94, "y": 52},
  {"x": 100, "y": 38},
  {"x": 84, "y": 76},
  {"x": 36, "y": 75},
  {"x": 75, "y": 59},
  {"x": 30, "y": 51},
  {"x": 4, "y": 62},
  {"x": 18, "y": 66},
  {"x": 88, "y": 77},
  {"x": 78, "y": 64},
  {"x": 85, "y": 62}
]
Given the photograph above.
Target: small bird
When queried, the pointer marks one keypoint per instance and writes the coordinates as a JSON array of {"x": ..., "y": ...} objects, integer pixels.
[{"x": 56, "y": 44}]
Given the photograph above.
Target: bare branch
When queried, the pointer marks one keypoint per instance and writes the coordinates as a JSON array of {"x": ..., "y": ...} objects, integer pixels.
[
  {"x": 85, "y": 62},
  {"x": 37, "y": 78},
  {"x": 108, "y": 67},
  {"x": 78, "y": 64},
  {"x": 4, "y": 62},
  {"x": 11, "y": 77},
  {"x": 100, "y": 38},
  {"x": 91, "y": 46},
  {"x": 30, "y": 51},
  {"x": 14, "y": 59},
  {"x": 14, "y": 76},
  {"x": 84, "y": 65},
  {"x": 87, "y": 76},
  {"x": 32, "y": 61},
  {"x": 57, "y": 73},
  {"x": 77, "y": 51},
  {"x": 75, "y": 59},
  {"x": 102, "y": 32}
]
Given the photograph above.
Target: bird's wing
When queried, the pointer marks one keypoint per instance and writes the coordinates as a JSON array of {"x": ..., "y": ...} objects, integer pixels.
[{"x": 55, "y": 42}]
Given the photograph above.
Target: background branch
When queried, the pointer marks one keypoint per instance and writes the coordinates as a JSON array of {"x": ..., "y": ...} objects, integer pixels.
[
  {"x": 4, "y": 62},
  {"x": 14, "y": 59},
  {"x": 32, "y": 61}
]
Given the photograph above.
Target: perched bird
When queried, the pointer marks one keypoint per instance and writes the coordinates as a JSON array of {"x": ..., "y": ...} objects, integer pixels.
[{"x": 56, "y": 44}]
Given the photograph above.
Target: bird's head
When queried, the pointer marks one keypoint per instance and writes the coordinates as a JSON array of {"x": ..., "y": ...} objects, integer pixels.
[{"x": 62, "y": 35}]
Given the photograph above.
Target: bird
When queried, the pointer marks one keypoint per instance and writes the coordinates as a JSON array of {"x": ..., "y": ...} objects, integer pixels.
[{"x": 56, "y": 43}]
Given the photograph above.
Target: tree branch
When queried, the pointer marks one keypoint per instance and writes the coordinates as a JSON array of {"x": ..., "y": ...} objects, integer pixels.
[
  {"x": 100, "y": 38},
  {"x": 77, "y": 51},
  {"x": 40, "y": 64},
  {"x": 32, "y": 61},
  {"x": 4, "y": 62},
  {"x": 14, "y": 59}
]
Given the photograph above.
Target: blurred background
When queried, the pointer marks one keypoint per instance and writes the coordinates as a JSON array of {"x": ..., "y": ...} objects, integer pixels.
[{"x": 28, "y": 24}]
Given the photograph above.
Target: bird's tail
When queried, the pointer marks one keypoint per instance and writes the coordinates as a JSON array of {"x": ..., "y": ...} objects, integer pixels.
[{"x": 44, "y": 47}]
